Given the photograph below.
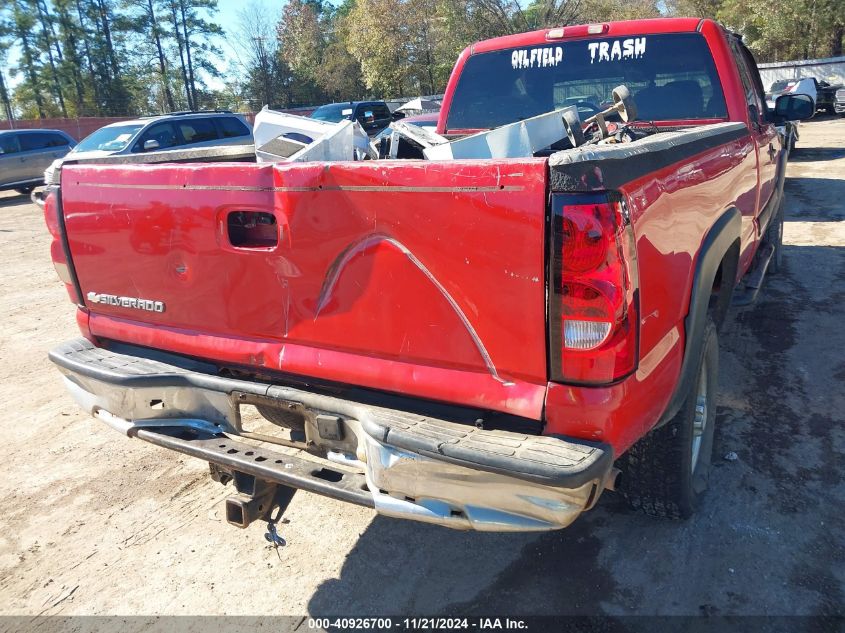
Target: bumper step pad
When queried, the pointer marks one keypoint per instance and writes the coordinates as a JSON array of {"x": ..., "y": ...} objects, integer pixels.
[{"x": 547, "y": 460}]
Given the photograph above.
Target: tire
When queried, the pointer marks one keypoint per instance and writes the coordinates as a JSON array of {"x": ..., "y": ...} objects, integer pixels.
[
  {"x": 25, "y": 190},
  {"x": 622, "y": 95},
  {"x": 667, "y": 472},
  {"x": 774, "y": 236},
  {"x": 574, "y": 131}
]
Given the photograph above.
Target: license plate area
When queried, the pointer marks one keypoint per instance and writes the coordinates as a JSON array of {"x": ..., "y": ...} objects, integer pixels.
[{"x": 270, "y": 419}]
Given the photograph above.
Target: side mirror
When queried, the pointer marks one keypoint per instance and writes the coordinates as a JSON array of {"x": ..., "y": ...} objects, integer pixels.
[
  {"x": 794, "y": 107},
  {"x": 397, "y": 115},
  {"x": 151, "y": 145}
]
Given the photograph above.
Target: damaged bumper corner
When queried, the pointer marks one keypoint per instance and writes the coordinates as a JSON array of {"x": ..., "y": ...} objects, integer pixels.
[{"x": 404, "y": 465}]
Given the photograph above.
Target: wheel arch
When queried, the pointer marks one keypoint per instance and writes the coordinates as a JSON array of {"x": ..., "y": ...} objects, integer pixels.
[{"x": 714, "y": 278}]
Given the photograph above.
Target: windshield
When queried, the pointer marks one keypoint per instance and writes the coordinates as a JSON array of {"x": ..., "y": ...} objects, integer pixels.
[
  {"x": 778, "y": 86},
  {"x": 333, "y": 113},
  {"x": 108, "y": 139},
  {"x": 670, "y": 77}
]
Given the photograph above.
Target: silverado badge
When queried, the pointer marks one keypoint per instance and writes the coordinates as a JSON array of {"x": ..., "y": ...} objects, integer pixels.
[{"x": 127, "y": 302}]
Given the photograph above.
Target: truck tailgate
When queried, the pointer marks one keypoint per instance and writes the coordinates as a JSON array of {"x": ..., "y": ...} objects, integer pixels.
[{"x": 423, "y": 278}]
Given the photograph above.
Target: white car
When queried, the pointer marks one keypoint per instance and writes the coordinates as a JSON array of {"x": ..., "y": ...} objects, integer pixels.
[
  {"x": 158, "y": 133},
  {"x": 806, "y": 86}
]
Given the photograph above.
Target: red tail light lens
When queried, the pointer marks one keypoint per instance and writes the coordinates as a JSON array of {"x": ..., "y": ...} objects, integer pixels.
[
  {"x": 584, "y": 246},
  {"x": 593, "y": 291},
  {"x": 57, "y": 247}
]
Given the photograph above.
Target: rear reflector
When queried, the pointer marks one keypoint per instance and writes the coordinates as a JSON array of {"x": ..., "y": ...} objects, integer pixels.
[{"x": 593, "y": 290}]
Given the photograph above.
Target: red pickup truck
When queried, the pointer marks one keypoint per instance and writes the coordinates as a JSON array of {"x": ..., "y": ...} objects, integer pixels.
[{"x": 482, "y": 344}]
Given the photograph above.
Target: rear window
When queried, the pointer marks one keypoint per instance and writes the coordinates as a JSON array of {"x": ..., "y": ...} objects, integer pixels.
[
  {"x": 231, "y": 127},
  {"x": 198, "y": 130},
  {"x": 8, "y": 144},
  {"x": 41, "y": 140},
  {"x": 380, "y": 111},
  {"x": 333, "y": 113},
  {"x": 670, "y": 77}
]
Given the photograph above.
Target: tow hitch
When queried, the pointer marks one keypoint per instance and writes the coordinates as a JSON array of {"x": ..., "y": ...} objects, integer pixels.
[{"x": 255, "y": 500}]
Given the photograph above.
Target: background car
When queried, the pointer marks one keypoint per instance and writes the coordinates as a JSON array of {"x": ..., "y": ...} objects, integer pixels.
[
  {"x": 428, "y": 119},
  {"x": 25, "y": 154},
  {"x": 827, "y": 96},
  {"x": 373, "y": 116},
  {"x": 160, "y": 133},
  {"x": 839, "y": 102},
  {"x": 804, "y": 86}
]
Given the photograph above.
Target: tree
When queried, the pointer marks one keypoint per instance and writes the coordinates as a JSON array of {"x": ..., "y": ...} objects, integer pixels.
[
  {"x": 70, "y": 64},
  {"x": 23, "y": 24},
  {"x": 257, "y": 45},
  {"x": 5, "y": 42},
  {"x": 339, "y": 73},
  {"x": 105, "y": 54},
  {"x": 302, "y": 44},
  {"x": 193, "y": 34},
  {"x": 378, "y": 39},
  {"x": 47, "y": 41},
  {"x": 146, "y": 22},
  {"x": 802, "y": 29}
]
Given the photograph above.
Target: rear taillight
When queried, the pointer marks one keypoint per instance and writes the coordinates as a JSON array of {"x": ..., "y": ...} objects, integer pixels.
[
  {"x": 593, "y": 290},
  {"x": 57, "y": 246}
]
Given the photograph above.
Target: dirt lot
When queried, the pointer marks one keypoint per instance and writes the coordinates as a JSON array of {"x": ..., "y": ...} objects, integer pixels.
[{"x": 96, "y": 523}]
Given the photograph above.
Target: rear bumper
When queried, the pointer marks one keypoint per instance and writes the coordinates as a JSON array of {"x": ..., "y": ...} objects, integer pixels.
[{"x": 402, "y": 464}]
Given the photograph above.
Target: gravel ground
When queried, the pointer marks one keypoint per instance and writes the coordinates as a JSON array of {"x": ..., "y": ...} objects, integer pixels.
[{"x": 98, "y": 524}]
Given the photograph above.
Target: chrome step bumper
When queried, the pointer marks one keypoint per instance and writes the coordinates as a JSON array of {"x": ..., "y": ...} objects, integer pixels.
[{"x": 402, "y": 464}]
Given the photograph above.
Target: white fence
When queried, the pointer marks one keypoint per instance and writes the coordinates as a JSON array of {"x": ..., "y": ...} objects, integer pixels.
[{"x": 831, "y": 70}]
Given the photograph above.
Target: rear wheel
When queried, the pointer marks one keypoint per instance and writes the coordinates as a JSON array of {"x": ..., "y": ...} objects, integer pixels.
[{"x": 667, "y": 472}]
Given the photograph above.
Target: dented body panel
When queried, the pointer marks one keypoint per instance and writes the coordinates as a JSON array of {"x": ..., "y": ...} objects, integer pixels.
[{"x": 423, "y": 278}]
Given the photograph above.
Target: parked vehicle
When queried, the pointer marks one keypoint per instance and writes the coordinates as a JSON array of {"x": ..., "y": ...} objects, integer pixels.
[
  {"x": 481, "y": 344},
  {"x": 25, "y": 154},
  {"x": 373, "y": 116},
  {"x": 160, "y": 133},
  {"x": 826, "y": 100},
  {"x": 423, "y": 120},
  {"x": 839, "y": 102},
  {"x": 805, "y": 86}
]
